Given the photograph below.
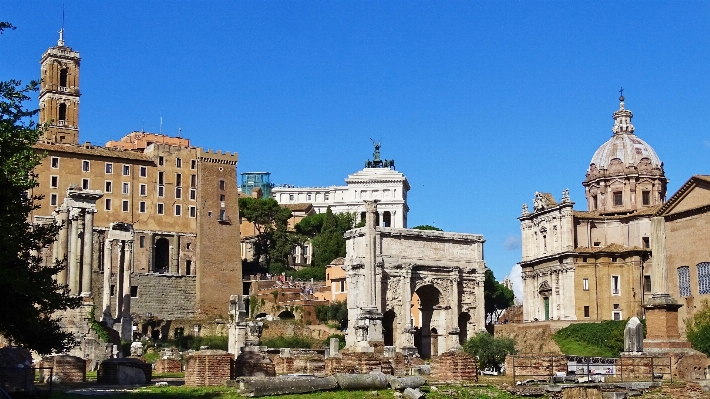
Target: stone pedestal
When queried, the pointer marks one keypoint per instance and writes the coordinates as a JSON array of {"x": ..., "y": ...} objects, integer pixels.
[{"x": 662, "y": 324}]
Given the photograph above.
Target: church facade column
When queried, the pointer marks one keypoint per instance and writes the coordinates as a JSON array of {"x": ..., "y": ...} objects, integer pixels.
[
  {"x": 73, "y": 275},
  {"x": 108, "y": 245},
  {"x": 86, "y": 266}
]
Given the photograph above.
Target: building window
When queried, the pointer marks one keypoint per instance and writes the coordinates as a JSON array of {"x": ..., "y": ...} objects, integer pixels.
[
  {"x": 615, "y": 285},
  {"x": 113, "y": 290},
  {"x": 109, "y": 167},
  {"x": 613, "y": 259},
  {"x": 85, "y": 184},
  {"x": 124, "y": 205},
  {"x": 616, "y": 315},
  {"x": 193, "y": 164},
  {"x": 178, "y": 179},
  {"x": 704, "y": 278},
  {"x": 161, "y": 177},
  {"x": 684, "y": 281},
  {"x": 342, "y": 285},
  {"x": 141, "y": 207},
  {"x": 126, "y": 188},
  {"x": 63, "y": 77},
  {"x": 646, "y": 242},
  {"x": 143, "y": 190},
  {"x": 290, "y": 197},
  {"x": 143, "y": 171},
  {"x": 178, "y": 210},
  {"x": 309, "y": 196},
  {"x": 618, "y": 199},
  {"x": 327, "y": 196},
  {"x": 161, "y": 191},
  {"x": 53, "y": 199},
  {"x": 178, "y": 192},
  {"x": 597, "y": 243},
  {"x": 55, "y": 163},
  {"x": 193, "y": 194},
  {"x": 646, "y": 197},
  {"x": 221, "y": 185},
  {"x": 161, "y": 160},
  {"x": 585, "y": 284},
  {"x": 54, "y": 181},
  {"x": 222, "y": 198},
  {"x": 647, "y": 283},
  {"x": 178, "y": 163},
  {"x": 62, "y": 114},
  {"x": 161, "y": 208},
  {"x": 595, "y": 205},
  {"x": 85, "y": 166},
  {"x": 586, "y": 311},
  {"x": 193, "y": 181},
  {"x": 304, "y": 250},
  {"x": 108, "y": 204},
  {"x": 108, "y": 186},
  {"x": 222, "y": 214},
  {"x": 134, "y": 291},
  {"x": 141, "y": 242},
  {"x": 126, "y": 170},
  {"x": 193, "y": 212},
  {"x": 188, "y": 267}
]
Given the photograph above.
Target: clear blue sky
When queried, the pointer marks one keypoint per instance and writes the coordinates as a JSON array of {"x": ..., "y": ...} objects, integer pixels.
[{"x": 480, "y": 103}]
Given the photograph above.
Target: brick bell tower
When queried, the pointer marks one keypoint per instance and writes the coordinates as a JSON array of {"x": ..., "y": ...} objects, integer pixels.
[{"x": 59, "y": 93}]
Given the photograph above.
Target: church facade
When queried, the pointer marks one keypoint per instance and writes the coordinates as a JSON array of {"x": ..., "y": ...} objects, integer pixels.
[
  {"x": 595, "y": 264},
  {"x": 150, "y": 223}
]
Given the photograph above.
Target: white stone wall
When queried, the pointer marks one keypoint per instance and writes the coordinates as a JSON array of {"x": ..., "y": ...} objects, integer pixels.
[{"x": 388, "y": 186}]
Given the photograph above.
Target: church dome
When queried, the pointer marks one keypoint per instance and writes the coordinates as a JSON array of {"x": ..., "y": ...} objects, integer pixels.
[{"x": 624, "y": 145}]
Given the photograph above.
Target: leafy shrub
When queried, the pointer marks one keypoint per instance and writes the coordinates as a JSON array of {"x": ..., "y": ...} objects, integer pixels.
[
  {"x": 697, "y": 329},
  {"x": 490, "y": 351},
  {"x": 307, "y": 273},
  {"x": 337, "y": 311}
]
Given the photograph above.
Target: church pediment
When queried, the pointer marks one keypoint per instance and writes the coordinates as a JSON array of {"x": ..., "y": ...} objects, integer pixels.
[{"x": 694, "y": 194}]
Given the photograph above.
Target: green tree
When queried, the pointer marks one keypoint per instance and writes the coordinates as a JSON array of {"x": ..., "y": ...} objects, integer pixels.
[
  {"x": 697, "y": 328},
  {"x": 270, "y": 222},
  {"x": 427, "y": 227},
  {"x": 29, "y": 295},
  {"x": 330, "y": 243},
  {"x": 497, "y": 297},
  {"x": 490, "y": 351}
]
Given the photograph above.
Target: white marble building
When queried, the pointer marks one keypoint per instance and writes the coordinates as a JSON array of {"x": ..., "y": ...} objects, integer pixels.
[{"x": 386, "y": 185}]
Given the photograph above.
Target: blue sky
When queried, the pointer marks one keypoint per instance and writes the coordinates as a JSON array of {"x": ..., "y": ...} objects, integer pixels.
[{"x": 480, "y": 103}]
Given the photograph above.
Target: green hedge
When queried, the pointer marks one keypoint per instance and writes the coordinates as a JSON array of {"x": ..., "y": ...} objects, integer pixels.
[
  {"x": 593, "y": 339},
  {"x": 289, "y": 342}
]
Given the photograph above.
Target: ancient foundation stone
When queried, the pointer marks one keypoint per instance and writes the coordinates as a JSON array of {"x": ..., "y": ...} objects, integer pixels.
[
  {"x": 454, "y": 366},
  {"x": 208, "y": 368},
  {"x": 357, "y": 363},
  {"x": 126, "y": 371},
  {"x": 65, "y": 368},
  {"x": 254, "y": 364}
]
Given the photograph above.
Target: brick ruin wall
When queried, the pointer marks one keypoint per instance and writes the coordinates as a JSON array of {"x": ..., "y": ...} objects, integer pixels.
[
  {"x": 208, "y": 368},
  {"x": 168, "y": 366},
  {"x": 454, "y": 367},
  {"x": 64, "y": 367}
]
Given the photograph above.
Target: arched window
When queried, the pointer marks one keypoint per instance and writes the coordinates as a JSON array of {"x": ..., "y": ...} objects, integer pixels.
[
  {"x": 684, "y": 281},
  {"x": 62, "y": 112},
  {"x": 704, "y": 278},
  {"x": 63, "y": 77}
]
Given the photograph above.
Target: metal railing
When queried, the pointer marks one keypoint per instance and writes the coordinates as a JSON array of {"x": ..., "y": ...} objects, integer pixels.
[{"x": 582, "y": 369}]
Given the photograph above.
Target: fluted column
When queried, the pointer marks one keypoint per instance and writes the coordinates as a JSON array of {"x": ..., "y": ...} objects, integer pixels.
[
  {"x": 73, "y": 276},
  {"x": 107, "y": 280},
  {"x": 86, "y": 265}
]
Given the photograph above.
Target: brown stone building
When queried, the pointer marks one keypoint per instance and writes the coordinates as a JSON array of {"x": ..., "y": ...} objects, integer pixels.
[
  {"x": 683, "y": 226},
  {"x": 158, "y": 213}
]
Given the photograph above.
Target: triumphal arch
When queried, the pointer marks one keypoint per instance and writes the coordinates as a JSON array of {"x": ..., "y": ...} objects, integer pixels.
[{"x": 418, "y": 291}]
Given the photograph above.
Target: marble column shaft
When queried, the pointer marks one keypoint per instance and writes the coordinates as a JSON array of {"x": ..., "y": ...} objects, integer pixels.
[
  {"x": 107, "y": 278},
  {"x": 73, "y": 275},
  {"x": 659, "y": 271},
  {"x": 86, "y": 265},
  {"x": 127, "y": 260}
]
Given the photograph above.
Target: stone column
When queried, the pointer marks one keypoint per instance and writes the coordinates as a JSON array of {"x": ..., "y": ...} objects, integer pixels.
[
  {"x": 107, "y": 280},
  {"x": 453, "y": 324},
  {"x": 174, "y": 254},
  {"x": 86, "y": 266},
  {"x": 61, "y": 245},
  {"x": 658, "y": 248},
  {"x": 73, "y": 275},
  {"x": 369, "y": 272},
  {"x": 126, "y": 322},
  {"x": 119, "y": 278}
]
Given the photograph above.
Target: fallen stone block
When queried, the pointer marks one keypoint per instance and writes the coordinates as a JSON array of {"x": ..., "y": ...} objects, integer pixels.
[
  {"x": 361, "y": 382},
  {"x": 281, "y": 385},
  {"x": 411, "y": 393},
  {"x": 401, "y": 383}
]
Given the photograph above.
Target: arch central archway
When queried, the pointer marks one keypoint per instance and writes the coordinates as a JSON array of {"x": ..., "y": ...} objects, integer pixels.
[{"x": 432, "y": 318}]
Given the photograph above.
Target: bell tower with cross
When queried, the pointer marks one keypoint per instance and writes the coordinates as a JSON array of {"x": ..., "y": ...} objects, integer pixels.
[{"x": 59, "y": 93}]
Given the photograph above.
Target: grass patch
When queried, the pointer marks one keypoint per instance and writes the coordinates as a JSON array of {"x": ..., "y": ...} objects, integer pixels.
[
  {"x": 291, "y": 342},
  {"x": 168, "y": 375},
  {"x": 571, "y": 346},
  {"x": 605, "y": 339}
]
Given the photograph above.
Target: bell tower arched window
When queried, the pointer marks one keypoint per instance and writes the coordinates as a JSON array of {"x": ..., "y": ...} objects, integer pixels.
[
  {"x": 62, "y": 112},
  {"x": 63, "y": 77}
]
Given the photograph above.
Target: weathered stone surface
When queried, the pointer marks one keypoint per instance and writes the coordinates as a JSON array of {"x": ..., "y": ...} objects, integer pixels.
[
  {"x": 124, "y": 371},
  {"x": 400, "y": 383},
  {"x": 412, "y": 393},
  {"x": 168, "y": 366},
  {"x": 255, "y": 364},
  {"x": 64, "y": 367},
  {"x": 357, "y": 362},
  {"x": 281, "y": 385},
  {"x": 633, "y": 335},
  {"x": 354, "y": 382},
  {"x": 454, "y": 366}
]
